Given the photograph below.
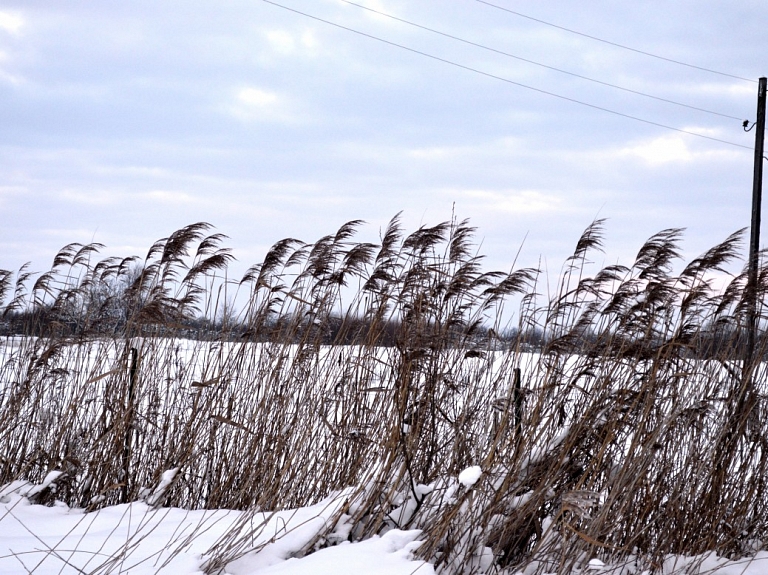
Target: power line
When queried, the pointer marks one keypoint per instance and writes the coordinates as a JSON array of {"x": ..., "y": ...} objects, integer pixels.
[
  {"x": 615, "y": 44},
  {"x": 535, "y": 63},
  {"x": 502, "y": 79}
]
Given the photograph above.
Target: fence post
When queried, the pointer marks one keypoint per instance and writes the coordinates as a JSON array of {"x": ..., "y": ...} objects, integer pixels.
[
  {"x": 132, "y": 369},
  {"x": 518, "y": 404}
]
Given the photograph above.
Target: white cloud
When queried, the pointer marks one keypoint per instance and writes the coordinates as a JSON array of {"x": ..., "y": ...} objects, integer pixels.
[
  {"x": 96, "y": 197},
  {"x": 513, "y": 201},
  {"x": 498, "y": 147},
  {"x": 168, "y": 197},
  {"x": 678, "y": 148},
  {"x": 257, "y": 98},
  {"x": 253, "y": 104},
  {"x": 308, "y": 39},
  {"x": 83, "y": 235},
  {"x": 281, "y": 41},
  {"x": 106, "y": 197},
  {"x": 11, "y": 22},
  {"x": 379, "y": 7},
  {"x": 10, "y": 192},
  {"x": 6, "y": 76},
  {"x": 436, "y": 153},
  {"x": 134, "y": 171},
  {"x": 671, "y": 148},
  {"x": 287, "y": 44},
  {"x": 735, "y": 89},
  {"x": 10, "y": 78}
]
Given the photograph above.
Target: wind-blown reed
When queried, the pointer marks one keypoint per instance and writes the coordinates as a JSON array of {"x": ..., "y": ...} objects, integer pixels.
[{"x": 616, "y": 419}]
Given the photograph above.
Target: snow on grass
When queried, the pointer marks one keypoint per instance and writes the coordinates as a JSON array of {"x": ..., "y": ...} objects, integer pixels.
[
  {"x": 156, "y": 496},
  {"x": 470, "y": 475}
]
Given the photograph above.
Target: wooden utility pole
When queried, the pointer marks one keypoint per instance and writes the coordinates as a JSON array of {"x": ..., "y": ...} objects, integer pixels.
[{"x": 754, "y": 239}]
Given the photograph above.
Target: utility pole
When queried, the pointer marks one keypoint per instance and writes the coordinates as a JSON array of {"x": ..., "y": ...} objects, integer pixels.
[{"x": 754, "y": 239}]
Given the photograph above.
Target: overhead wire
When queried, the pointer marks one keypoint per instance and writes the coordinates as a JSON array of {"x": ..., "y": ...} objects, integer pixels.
[
  {"x": 616, "y": 44},
  {"x": 535, "y": 63},
  {"x": 502, "y": 79}
]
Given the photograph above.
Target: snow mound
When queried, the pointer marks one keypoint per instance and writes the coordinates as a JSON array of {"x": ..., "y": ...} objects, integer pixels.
[{"x": 470, "y": 475}]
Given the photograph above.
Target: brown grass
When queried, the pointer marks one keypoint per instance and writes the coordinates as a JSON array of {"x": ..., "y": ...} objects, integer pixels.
[{"x": 637, "y": 430}]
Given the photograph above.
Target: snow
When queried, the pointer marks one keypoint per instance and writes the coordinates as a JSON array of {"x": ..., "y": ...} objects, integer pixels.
[
  {"x": 595, "y": 565},
  {"x": 138, "y": 539},
  {"x": 156, "y": 497},
  {"x": 386, "y": 555},
  {"x": 49, "y": 480},
  {"x": 711, "y": 563},
  {"x": 470, "y": 475}
]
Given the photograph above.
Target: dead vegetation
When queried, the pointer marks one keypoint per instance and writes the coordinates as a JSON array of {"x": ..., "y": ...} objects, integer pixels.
[{"x": 636, "y": 431}]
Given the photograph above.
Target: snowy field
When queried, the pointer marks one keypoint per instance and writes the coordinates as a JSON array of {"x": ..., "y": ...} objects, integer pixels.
[
  {"x": 258, "y": 425},
  {"x": 138, "y": 539}
]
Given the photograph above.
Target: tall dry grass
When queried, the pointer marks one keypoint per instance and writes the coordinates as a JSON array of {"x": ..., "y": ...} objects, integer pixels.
[{"x": 634, "y": 431}]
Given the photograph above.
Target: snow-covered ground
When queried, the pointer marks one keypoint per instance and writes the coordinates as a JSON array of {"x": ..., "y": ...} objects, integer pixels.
[{"x": 139, "y": 539}]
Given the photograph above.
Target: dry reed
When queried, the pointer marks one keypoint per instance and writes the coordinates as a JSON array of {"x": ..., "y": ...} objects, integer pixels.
[{"x": 618, "y": 419}]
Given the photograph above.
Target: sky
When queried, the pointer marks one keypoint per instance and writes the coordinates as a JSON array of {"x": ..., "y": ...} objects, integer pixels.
[{"x": 123, "y": 121}]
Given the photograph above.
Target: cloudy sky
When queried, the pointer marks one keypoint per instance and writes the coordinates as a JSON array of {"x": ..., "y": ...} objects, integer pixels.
[{"x": 122, "y": 121}]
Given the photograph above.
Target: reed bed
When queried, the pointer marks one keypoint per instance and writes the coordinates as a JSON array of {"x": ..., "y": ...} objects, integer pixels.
[{"x": 621, "y": 418}]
